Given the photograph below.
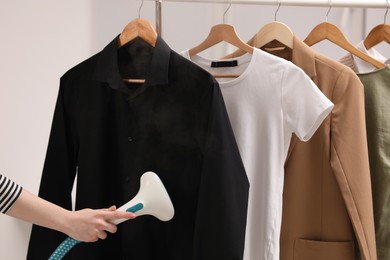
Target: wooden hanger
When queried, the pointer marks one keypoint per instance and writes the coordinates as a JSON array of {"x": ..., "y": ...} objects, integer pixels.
[
  {"x": 274, "y": 31},
  {"x": 219, "y": 33},
  {"x": 138, "y": 28},
  {"x": 380, "y": 33},
  {"x": 271, "y": 32},
  {"x": 331, "y": 32}
]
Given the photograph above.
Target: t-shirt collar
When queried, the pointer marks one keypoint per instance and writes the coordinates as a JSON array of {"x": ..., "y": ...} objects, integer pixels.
[{"x": 107, "y": 69}]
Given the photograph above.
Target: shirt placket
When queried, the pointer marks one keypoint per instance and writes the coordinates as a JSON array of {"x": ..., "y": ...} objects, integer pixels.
[{"x": 130, "y": 144}]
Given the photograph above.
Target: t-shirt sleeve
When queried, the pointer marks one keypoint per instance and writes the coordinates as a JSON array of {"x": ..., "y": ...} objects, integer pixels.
[
  {"x": 9, "y": 193},
  {"x": 304, "y": 105}
]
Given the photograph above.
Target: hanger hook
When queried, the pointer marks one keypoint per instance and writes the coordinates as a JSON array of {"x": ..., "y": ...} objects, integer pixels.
[
  {"x": 387, "y": 9},
  {"x": 330, "y": 7},
  {"x": 277, "y": 9},
  {"x": 139, "y": 9},
  {"x": 224, "y": 14}
]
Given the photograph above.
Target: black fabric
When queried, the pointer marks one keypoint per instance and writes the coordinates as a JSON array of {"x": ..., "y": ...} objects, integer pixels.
[
  {"x": 221, "y": 64},
  {"x": 110, "y": 133}
]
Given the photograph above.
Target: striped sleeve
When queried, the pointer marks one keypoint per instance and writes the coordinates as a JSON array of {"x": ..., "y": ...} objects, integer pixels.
[{"x": 9, "y": 193}]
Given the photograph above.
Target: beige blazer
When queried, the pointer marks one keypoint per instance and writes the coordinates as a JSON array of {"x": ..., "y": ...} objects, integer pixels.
[{"x": 327, "y": 200}]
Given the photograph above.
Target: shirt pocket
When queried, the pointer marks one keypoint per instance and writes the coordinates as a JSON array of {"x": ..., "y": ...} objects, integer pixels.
[{"x": 321, "y": 250}]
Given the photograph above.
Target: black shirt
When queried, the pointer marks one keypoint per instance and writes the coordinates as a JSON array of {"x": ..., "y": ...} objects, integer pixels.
[{"x": 110, "y": 132}]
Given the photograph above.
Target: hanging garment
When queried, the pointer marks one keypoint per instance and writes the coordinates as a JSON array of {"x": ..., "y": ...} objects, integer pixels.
[
  {"x": 9, "y": 193},
  {"x": 110, "y": 132},
  {"x": 271, "y": 99},
  {"x": 360, "y": 66},
  {"x": 377, "y": 94},
  {"x": 327, "y": 197}
]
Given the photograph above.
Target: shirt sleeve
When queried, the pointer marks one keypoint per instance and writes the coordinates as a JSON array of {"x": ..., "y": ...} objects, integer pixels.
[
  {"x": 223, "y": 193},
  {"x": 304, "y": 105},
  {"x": 9, "y": 193},
  {"x": 58, "y": 174}
]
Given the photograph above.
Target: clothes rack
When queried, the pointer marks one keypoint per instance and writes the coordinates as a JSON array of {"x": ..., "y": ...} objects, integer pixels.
[{"x": 307, "y": 3}]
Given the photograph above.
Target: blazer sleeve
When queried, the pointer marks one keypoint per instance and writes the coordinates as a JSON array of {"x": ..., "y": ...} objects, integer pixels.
[
  {"x": 58, "y": 174},
  {"x": 223, "y": 193},
  {"x": 349, "y": 159}
]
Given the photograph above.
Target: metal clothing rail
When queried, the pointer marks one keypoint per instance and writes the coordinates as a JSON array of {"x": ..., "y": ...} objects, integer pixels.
[{"x": 308, "y": 3}]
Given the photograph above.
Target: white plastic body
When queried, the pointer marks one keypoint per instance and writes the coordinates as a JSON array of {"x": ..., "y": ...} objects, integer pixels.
[{"x": 154, "y": 197}]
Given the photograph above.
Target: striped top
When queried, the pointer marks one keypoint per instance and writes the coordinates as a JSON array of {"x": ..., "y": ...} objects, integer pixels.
[{"x": 9, "y": 192}]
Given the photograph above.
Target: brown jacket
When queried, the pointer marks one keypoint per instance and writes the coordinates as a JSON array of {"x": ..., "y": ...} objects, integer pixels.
[{"x": 327, "y": 200}]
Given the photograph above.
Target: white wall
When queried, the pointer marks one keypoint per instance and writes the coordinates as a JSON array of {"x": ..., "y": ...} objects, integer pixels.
[
  {"x": 40, "y": 40},
  {"x": 375, "y": 17}
]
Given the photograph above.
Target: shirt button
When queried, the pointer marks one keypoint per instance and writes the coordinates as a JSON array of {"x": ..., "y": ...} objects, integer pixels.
[
  {"x": 127, "y": 179},
  {"x": 130, "y": 139}
]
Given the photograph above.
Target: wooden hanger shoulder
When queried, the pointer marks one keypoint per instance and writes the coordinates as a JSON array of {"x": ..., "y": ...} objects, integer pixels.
[
  {"x": 331, "y": 32},
  {"x": 325, "y": 31},
  {"x": 380, "y": 33},
  {"x": 274, "y": 31},
  {"x": 138, "y": 28},
  {"x": 219, "y": 33}
]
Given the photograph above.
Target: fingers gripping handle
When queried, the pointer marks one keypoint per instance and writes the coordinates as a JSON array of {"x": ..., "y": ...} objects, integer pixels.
[
  {"x": 69, "y": 243},
  {"x": 133, "y": 209},
  {"x": 151, "y": 199}
]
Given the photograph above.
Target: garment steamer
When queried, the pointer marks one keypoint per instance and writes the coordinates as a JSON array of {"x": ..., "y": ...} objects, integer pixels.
[{"x": 151, "y": 199}]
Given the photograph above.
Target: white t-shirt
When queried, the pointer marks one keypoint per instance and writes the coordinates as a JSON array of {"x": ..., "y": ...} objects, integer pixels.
[{"x": 271, "y": 99}]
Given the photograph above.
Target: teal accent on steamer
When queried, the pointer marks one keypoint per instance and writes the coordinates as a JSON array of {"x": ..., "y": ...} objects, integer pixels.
[{"x": 135, "y": 208}]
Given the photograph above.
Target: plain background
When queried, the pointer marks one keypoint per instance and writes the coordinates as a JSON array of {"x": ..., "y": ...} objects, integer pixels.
[{"x": 41, "y": 40}]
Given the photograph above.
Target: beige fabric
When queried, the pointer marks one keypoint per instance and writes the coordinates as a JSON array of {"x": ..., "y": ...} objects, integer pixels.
[
  {"x": 319, "y": 250},
  {"x": 327, "y": 193}
]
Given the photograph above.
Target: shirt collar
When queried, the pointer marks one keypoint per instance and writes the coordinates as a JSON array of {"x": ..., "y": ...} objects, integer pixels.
[
  {"x": 304, "y": 57},
  {"x": 364, "y": 66},
  {"x": 360, "y": 66},
  {"x": 107, "y": 66}
]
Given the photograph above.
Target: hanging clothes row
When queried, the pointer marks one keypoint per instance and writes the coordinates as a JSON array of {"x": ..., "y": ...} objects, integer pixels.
[
  {"x": 263, "y": 151},
  {"x": 327, "y": 190},
  {"x": 308, "y": 179}
]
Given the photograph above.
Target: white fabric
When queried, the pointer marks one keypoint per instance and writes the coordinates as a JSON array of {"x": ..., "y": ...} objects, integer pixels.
[
  {"x": 362, "y": 66},
  {"x": 271, "y": 99}
]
